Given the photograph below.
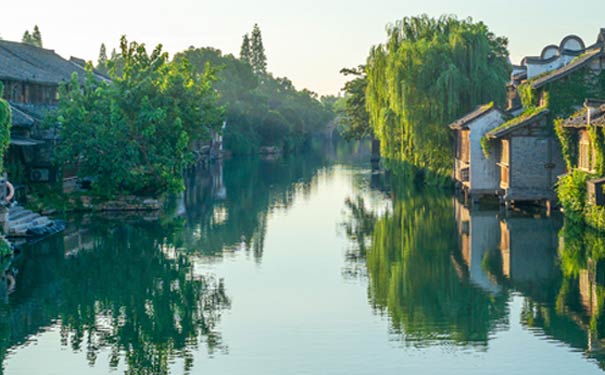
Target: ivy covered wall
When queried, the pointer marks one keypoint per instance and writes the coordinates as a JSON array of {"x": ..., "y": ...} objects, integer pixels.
[
  {"x": 565, "y": 98},
  {"x": 5, "y": 125}
]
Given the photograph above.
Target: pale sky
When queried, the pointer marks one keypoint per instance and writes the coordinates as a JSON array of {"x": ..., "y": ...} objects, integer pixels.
[{"x": 307, "y": 41}]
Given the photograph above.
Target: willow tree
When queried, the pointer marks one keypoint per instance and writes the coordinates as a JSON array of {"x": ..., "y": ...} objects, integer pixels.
[{"x": 429, "y": 72}]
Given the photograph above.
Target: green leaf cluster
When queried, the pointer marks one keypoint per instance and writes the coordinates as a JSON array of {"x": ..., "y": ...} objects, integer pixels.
[
  {"x": 133, "y": 135},
  {"x": 5, "y": 127},
  {"x": 428, "y": 73},
  {"x": 353, "y": 118}
]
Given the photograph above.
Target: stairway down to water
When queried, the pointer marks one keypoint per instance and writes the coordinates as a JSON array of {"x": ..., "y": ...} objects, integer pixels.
[{"x": 26, "y": 223}]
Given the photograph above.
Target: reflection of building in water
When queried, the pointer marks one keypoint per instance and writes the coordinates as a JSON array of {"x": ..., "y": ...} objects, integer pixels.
[
  {"x": 479, "y": 235},
  {"x": 528, "y": 252},
  {"x": 518, "y": 251},
  {"x": 76, "y": 240},
  {"x": 560, "y": 273}
]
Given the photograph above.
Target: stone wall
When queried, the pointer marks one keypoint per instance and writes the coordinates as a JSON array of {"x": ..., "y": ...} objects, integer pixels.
[{"x": 536, "y": 163}]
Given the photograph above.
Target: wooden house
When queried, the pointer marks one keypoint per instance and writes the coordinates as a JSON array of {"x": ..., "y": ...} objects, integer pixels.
[
  {"x": 475, "y": 174},
  {"x": 529, "y": 157},
  {"x": 31, "y": 77}
]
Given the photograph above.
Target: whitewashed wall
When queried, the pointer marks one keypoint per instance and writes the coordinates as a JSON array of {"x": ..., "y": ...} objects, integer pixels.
[{"x": 484, "y": 173}]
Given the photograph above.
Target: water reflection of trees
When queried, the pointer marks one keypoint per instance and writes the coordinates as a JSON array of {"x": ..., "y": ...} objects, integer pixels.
[
  {"x": 123, "y": 289},
  {"x": 575, "y": 315},
  {"x": 414, "y": 275},
  {"x": 227, "y": 206},
  {"x": 449, "y": 279}
]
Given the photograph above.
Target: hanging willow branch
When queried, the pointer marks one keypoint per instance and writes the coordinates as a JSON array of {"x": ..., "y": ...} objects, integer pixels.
[{"x": 429, "y": 72}]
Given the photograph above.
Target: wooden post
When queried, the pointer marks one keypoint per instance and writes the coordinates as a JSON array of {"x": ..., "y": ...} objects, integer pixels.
[{"x": 375, "y": 158}]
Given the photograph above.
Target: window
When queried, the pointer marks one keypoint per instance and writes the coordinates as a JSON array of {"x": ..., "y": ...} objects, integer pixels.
[
  {"x": 584, "y": 152},
  {"x": 463, "y": 150},
  {"x": 505, "y": 152}
]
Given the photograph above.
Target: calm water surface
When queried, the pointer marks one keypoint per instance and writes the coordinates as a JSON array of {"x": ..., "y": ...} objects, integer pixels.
[{"x": 309, "y": 266}]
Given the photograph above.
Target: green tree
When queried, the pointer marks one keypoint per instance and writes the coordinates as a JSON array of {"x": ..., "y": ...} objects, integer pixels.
[
  {"x": 37, "y": 36},
  {"x": 258, "y": 57},
  {"x": 102, "y": 61},
  {"x": 354, "y": 123},
  {"x": 133, "y": 134},
  {"x": 34, "y": 38},
  {"x": 5, "y": 126},
  {"x": 245, "y": 53},
  {"x": 428, "y": 73},
  {"x": 27, "y": 38}
]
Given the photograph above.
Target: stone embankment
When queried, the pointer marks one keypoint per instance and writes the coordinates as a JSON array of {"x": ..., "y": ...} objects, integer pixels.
[{"x": 21, "y": 222}]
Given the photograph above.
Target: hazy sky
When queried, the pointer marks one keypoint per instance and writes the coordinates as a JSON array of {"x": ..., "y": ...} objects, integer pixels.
[{"x": 307, "y": 41}]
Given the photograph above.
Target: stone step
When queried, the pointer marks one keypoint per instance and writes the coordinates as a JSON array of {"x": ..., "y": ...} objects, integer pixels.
[
  {"x": 15, "y": 210},
  {"x": 25, "y": 223},
  {"x": 41, "y": 221},
  {"x": 18, "y": 215},
  {"x": 29, "y": 218},
  {"x": 18, "y": 230}
]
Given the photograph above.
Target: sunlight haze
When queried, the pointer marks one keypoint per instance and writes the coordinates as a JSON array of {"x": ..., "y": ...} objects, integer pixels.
[{"x": 307, "y": 41}]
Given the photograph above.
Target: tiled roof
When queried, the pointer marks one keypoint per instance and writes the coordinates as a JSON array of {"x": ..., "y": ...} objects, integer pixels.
[
  {"x": 573, "y": 66},
  {"x": 36, "y": 111},
  {"x": 476, "y": 114},
  {"x": 517, "y": 123},
  {"x": 20, "y": 118},
  {"x": 23, "y": 62},
  {"x": 580, "y": 118}
]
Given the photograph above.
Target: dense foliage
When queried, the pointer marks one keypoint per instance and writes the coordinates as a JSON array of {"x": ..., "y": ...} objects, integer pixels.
[
  {"x": 563, "y": 97},
  {"x": 415, "y": 275},
  {"x": 429, "y": 72},
  {"x": 261, "y": 110},
  {"x": 133, "y": 135},
  {"x": 5, "y": 127},
  {"x": 354, "y": 122},
  {"x": 582, "y": 256}
]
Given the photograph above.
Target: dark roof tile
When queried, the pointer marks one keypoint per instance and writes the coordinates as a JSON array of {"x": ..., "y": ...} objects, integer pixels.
[
  {"x": 23, "y": 62},
  {"x": 518, "y": 122},
  {"x": 472, "y": 116},
  {"x": 578, "y": 63}
]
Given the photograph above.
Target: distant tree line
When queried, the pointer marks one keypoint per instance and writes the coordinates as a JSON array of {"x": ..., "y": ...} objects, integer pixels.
[{"x": 261, "y": 110}]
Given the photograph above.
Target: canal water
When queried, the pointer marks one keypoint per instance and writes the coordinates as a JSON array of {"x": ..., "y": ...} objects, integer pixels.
[{"x": 308, "y": 265}]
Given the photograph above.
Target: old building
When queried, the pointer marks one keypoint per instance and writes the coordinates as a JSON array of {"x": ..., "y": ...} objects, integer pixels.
[
  {"x": 475, "y": 174},
  {"x": 553, "y": 57},
  {"x": 592, "y": 115},
  {"x": 529, "y": 157},
  {"x": 31, "y": 77},
  {"x": 589, "y": 120}
]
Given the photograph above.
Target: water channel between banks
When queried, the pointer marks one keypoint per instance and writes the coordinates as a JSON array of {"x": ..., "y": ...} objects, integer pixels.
[{"x": 308, "y": 265}]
